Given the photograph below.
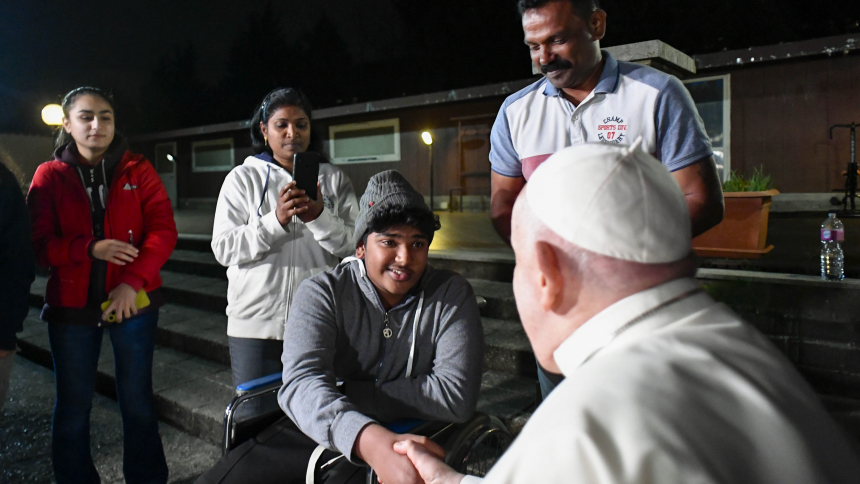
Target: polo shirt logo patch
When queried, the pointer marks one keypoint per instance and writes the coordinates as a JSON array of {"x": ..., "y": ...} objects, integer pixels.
[{"x": 613, "y": 130}]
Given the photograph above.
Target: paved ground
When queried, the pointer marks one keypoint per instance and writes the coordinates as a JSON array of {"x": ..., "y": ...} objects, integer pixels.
[{"x": 25, "y": 435}]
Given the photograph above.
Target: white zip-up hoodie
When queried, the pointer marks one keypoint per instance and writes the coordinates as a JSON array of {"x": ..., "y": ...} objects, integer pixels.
[{"x": 248, "y": 239}]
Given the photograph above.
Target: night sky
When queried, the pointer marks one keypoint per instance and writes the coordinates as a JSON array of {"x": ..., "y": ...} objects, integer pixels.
[{"x": 182, "y": 63}]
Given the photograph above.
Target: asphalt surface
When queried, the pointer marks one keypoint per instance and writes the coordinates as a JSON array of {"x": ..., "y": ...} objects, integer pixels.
[{"x": 25, "y": 434}]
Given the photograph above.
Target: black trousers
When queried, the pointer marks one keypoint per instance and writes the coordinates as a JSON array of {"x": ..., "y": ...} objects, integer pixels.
[{"x": 280, "y": 454}]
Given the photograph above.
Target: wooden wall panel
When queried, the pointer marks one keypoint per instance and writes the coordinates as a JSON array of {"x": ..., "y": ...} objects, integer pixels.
[
  {"x": 414, "y": 163},
  {"x": 843, "y": 108},
  {"x": 781, "y": 113}
]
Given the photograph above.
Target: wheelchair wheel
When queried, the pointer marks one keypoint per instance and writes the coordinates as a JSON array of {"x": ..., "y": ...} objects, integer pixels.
[{"x": 478, "y": 446}]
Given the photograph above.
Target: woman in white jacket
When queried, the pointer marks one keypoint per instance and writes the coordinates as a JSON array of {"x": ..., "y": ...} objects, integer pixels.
[{"x": 255, "y": 237}]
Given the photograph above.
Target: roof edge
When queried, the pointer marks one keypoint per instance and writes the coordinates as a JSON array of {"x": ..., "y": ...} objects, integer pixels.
[
  {"x": 440, "y": 97},
  {"x": 790, "y": 50}
]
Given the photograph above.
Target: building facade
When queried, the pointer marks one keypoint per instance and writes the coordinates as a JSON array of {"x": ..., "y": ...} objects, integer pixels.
[{"x": 768, "y": 107}]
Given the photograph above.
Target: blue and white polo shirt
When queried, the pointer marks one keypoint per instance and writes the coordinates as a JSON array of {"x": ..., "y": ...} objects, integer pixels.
[{"x": 630, "y": 100}]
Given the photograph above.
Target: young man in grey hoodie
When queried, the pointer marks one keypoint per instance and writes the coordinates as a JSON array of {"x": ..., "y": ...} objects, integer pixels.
[{"x": 404, "y": 339}]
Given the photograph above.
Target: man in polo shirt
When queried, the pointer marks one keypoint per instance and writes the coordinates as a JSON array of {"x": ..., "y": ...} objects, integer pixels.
[{"x": 588, "y": 96}]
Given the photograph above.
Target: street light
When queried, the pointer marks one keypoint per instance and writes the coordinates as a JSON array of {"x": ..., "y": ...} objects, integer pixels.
[
  {"x": 428, "y": 140},
  {"x": 52, "y": 115}
]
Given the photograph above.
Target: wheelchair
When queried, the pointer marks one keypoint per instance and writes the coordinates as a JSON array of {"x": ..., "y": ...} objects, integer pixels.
[{"x": 470, "y": 448}]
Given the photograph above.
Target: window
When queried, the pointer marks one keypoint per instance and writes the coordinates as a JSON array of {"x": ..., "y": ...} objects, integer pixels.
[
  {"x": 212, "y": 155},
  {"x": 712, "y": 96},
  {"x": 371, "y": 142}
]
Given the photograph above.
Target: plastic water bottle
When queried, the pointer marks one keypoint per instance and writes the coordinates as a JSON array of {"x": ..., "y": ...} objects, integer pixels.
[{"x": 832, "y": 235}]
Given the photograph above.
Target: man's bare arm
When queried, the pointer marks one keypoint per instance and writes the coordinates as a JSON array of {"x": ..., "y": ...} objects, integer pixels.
[
  {"x": 502, "y": 197},
  {"x": 701, "y": 187}
]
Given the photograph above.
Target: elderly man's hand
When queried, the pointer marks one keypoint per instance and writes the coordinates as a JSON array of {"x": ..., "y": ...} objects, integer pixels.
[
  {"x": 374, "y": 445},
  {"x": 430, "y": 467}
]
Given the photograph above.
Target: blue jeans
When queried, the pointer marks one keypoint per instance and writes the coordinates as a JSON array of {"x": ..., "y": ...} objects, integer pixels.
[
  {"x": 75, "y": 350},
  {"x": 252, "y": 358}
]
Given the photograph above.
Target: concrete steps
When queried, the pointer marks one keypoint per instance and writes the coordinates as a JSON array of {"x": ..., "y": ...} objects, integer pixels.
[
  {"x": 496, "y": 265},
  {"x": 191, "y": 392},
  {"x": 191, "y": 374},
  {"x": 194, "y": 321},
  {"x": 191, "y": 369}
]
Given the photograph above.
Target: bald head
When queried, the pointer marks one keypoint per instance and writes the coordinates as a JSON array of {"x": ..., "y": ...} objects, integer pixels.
[
  {"x": 597, "y": 271},
  {"x": 559, "y": 286},
  {"x": 595, "y": 224}
]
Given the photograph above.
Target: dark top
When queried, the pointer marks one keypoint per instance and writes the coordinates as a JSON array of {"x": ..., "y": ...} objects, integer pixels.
[{"x": 17, "y": 262}]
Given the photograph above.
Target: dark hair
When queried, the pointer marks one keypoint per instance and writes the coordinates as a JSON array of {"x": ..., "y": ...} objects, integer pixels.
[
  {"x": 425, "y": 221},
  {"x": 63, "y": 137},
  {"x": 583, "y": 8},
  {"x": 278, "y": 98}
]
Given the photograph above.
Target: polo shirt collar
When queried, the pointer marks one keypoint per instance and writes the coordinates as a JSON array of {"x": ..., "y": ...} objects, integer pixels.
[
  {"x": 599, "y": 331},
  {"x": 607, "y": 83}
]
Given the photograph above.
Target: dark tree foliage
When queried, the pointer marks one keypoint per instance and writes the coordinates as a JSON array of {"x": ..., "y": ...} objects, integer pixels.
[
  {"x": 260, "y": 60},
  {"x": 716, "y": 25},
  {"x": 174, "y": 96},
  {"x": 326, "y": 64},
  {"x": 454, "y": 44},
  {"x": 442, "y": 45}
]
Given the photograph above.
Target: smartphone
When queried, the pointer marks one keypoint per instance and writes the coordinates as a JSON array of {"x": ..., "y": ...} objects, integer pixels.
[
  {"x": 140, "y": 301},
  {"x": 306, "y": 171}
]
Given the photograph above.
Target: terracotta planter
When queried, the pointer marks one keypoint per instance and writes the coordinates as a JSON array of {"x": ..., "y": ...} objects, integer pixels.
[{"x": 743, "y": 232}]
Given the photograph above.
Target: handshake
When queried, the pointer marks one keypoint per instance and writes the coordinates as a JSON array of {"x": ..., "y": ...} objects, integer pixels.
[
  {"x": 428, "y": 462},
  {"x": 403, "y": 458}
]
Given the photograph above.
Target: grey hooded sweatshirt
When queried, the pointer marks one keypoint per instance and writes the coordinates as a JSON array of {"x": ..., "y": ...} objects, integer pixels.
[{"x": 335, "y": 333}]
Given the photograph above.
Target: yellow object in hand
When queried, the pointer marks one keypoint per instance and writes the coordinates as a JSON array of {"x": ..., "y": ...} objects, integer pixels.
[{"x": 140, "y": 301}]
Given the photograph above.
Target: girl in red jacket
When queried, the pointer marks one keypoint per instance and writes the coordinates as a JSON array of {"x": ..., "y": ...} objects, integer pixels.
[{"x": 102, "y": 223}]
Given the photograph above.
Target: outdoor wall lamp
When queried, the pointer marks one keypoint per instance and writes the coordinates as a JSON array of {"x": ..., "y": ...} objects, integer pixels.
[
  {"x": 52, "y": 114},
  {"x": 428, "y": 140}
]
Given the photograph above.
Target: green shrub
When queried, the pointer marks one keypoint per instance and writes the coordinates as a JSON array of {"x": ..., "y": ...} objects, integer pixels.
[{"x": 758, "y": 182}]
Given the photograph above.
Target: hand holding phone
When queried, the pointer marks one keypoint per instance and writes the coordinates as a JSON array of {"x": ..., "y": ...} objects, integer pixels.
[
  {"x": 306, "y": 171},
  {"x": 141, "y": 300},
  {"x": 301, "y": 197}
]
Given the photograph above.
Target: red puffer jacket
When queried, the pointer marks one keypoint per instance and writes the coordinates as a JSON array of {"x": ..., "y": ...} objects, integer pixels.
[{"x": 63, "y": 228}]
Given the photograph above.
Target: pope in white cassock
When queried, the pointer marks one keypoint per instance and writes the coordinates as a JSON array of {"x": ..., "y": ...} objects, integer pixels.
[{"x": 662, "y": 383}]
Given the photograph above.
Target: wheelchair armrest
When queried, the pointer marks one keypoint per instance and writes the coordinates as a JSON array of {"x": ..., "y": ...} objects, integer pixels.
[
  {"x": 250, "y": 386},
  {"x": 404, "y": 425}
]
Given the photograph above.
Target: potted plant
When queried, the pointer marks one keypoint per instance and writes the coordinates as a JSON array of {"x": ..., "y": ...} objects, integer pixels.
[{"x": 743, "y": 232}]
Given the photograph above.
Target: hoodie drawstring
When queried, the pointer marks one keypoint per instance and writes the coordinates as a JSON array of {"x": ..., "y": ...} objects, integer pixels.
[
  {"x": 265, "y": 190},
  {"x": 414, "y": 335},
  {"x": 102, "y": 188},
  {"x": 415, "y": 321}
]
